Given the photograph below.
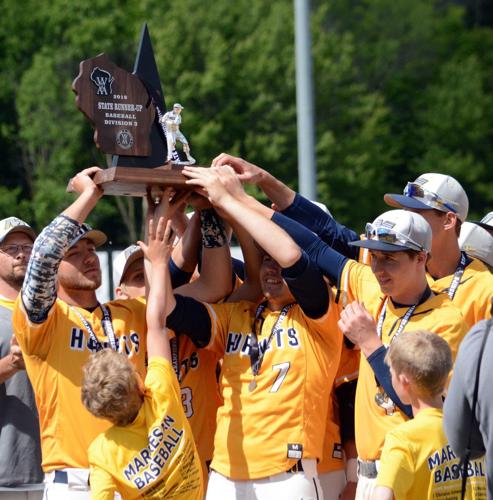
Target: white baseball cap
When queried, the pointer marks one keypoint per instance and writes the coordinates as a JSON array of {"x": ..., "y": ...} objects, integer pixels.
[
  {"x": 123, "y": 261},
  {"x": 13, "y": 224},
  {"x": 178, "y": 105},
  {"x": 87, "y": 232},
  {"x": 486, "y": 222},
  {"x": 397, "y": 230},
  {"x": 476, "y": 242},
  {"x": 432, "y": 191}
]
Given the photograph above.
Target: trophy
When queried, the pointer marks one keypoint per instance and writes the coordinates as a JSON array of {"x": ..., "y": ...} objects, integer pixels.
[{"x": 131, "y": 124}]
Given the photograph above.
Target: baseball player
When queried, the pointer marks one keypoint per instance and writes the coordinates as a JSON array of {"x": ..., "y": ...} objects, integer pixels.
[
  {"x": 20, "y": 457},
  {"x": 172, "y": 121},
  {"x": 278, "y": 358},
  {"x": 59, "y": 323}
]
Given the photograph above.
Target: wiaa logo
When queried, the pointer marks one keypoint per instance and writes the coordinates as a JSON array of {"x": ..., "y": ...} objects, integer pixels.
[
  {"x": 103, "y": 81},
  {"x": 124, "y": 139}
]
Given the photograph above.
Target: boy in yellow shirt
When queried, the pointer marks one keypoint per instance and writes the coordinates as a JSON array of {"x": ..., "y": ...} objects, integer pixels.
[
  {"x": 149, "y": 452},
  {"x": 417, "y": 461}
]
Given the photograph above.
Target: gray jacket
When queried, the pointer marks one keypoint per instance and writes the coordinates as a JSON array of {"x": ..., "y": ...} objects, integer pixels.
[{"x": 458, "y": 403}]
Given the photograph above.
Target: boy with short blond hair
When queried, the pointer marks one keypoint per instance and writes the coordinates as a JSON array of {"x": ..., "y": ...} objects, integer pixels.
[
  {"x": 149, "y": 452},
  {"x": 417, "y": 461}
]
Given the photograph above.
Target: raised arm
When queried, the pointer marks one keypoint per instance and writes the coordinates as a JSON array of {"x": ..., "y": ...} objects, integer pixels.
[
  {"x": 293, "y": 205},
  {"x": 39, "y": 288},
  {"x": 157, "y": 251}
]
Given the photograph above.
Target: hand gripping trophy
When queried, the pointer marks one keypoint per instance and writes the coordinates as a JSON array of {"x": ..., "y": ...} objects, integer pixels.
[{"x": 171, "y": 121}]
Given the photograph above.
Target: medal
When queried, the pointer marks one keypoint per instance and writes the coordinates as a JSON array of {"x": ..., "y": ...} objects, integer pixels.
[
  {"x": 252, "y": 385},
  {"x": 383, "y": 400}
]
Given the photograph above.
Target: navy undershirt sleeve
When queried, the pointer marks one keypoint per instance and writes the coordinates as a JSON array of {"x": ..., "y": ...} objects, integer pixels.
[
  {"x": 324, "y": 225},
  {"x": 306, "y": 283},
  {"x": 330, "y": 262},
  {"x": 190, "y": 317},
  {"x": 178, "y": 276},
  {"x": 382, "y": 373}
]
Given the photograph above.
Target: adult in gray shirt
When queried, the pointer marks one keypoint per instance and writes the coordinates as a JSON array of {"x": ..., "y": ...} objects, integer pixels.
[
  {"x": 461, "y": 426},
  {"x": 20, "y": 455}
]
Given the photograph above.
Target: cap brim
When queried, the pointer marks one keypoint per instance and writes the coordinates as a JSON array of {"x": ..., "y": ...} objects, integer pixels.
[
  {"x": 21, "y": 229},
  {"x": 488, "y": 227},
  {"x": 379, "y": 245},
  {"x": 96, "y": 236},
  {"x": 403, "y": 201}
]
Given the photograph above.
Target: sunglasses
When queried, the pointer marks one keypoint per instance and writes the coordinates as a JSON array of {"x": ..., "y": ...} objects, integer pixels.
[
  {"x": 414, "y": 190},
  {"x": 381, "y": 233}
]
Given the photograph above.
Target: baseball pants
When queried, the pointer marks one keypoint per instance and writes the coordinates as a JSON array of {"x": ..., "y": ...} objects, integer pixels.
[{"x": 302, "y": 485}]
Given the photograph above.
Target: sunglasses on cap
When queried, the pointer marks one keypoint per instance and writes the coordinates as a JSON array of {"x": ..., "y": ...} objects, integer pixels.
[
  {"x": 381, "y": 233},
  {"x": 414, "y": 190}
]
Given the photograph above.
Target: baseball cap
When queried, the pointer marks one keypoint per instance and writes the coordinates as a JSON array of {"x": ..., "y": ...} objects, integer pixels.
[
  {"x": 96, "y": 236},
  {"x": 397, "y": 230},
  {"x": 13, "y": 224},
  {"x": 486, "y": 222},
  {"x": 476, "y": 242},
  {"x": 432, "y": 191},
  {"x": 123, "y": 261},
  {"x": 178, "y": 105}
]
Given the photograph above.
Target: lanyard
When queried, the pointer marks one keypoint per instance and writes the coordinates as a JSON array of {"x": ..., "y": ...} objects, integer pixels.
[
  {"x": 106, "y": 324},
  {"x": 457, "y": 276},
  {"x": 256, "y": 355},
  {"x": 405, "y": 319},
  {"x": 173, "y": 344}
]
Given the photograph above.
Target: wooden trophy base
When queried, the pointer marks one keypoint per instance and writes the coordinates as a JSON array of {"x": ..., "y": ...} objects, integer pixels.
[{"x": 129, "y": 181}]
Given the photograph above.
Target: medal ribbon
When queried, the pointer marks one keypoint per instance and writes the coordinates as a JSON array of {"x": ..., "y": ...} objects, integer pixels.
[
  {"x": 256, "y": 357},
  {"x": 105, "y": 323},
  {"x": 457, "y": 276}
]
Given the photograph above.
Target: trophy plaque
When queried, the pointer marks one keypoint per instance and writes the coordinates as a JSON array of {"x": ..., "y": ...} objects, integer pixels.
[{"x": 127, "y": 111}]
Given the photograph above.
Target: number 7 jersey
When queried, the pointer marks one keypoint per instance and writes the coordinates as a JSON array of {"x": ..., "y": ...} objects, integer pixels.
[{"x": 264, "y": 427}]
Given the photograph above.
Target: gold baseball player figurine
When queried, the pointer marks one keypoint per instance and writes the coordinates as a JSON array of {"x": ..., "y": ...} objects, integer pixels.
[{"x": 171, "y": 121}]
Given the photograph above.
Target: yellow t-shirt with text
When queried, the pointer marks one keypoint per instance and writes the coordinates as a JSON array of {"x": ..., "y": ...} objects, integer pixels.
[
  {"x": 418, "y": 463},
  {"x": 154, "y": 457}
]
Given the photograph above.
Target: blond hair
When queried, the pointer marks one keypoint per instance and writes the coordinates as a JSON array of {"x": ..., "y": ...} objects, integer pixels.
[
  {"x": 424, "y": 357},
  {"x": 110, "y": 387}
]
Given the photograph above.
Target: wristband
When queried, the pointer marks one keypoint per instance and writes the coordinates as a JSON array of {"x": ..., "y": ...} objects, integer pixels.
[
  {"x": 352, "y": 470},
  {"x": 212, "y": 228}
]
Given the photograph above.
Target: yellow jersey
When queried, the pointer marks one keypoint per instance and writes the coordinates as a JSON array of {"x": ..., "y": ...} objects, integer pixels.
[
  {"x": 474, "y": 294},
  {"x": 199, "y": 395},
  {"x": 154, "y": 456},
  {"x": 417, "y": 462},
  {"x": 268, "y": 422},
  {"x": 436, "y": 314},
  {"x": 54, "y": 353}
]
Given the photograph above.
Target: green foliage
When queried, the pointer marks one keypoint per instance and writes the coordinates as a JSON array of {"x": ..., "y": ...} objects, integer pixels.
[{"x": 400, "y": 88}]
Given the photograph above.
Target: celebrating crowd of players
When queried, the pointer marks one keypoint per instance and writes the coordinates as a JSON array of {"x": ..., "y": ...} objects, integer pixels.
[{"x": 315, "y": 369}]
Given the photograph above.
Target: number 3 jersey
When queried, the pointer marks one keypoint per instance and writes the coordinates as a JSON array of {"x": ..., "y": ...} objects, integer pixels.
[{"x": 270, "y": 421}]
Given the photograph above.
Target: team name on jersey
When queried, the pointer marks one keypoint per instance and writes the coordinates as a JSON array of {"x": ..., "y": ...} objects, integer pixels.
[
  {"x": 151, "y": 460},
  {"x": 241, "y": 343},
  {"x": 187, "y": 364},
  {"x": 447, "y": 467},
  {"x": 80, "y": 341}
]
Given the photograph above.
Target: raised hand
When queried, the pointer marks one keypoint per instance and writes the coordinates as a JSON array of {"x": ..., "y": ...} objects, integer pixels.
[
  {"x": 83, "y": 181},
  {"x": 247, "y": 172},
  {"x": 359, "y": 327}
]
